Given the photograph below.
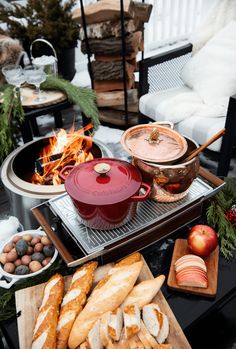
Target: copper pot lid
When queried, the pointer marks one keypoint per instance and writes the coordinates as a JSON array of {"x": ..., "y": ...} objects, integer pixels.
[{"x": 154, "y": 143}]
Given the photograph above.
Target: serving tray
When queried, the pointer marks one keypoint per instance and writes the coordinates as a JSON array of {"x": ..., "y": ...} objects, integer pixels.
[
  {"x": 152, "y": 222},
  {"x": 51, "y": 97},
  {"x": 181, "y": 249},
  {"x": 29, "y": 310}
]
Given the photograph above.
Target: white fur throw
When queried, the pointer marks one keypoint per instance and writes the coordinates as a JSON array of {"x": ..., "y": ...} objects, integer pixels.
[
  {"x": 211, "y": 72},
  {"x": 219, "y": 15},
  {"x": 10, "y": 52}
]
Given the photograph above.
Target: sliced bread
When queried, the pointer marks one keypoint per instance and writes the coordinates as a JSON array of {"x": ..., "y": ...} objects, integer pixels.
[
  {"x": 132, "y": 317},
  {"x": 115, "y": 324}
]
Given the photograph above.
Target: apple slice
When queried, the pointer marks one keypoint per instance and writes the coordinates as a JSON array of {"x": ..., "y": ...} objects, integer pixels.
[
  {"x": 187, "y": 257},
  {"x": 190, "y": 264},
  {"x": 192, "y": 280},
  {"x": 192, "y": 270}
]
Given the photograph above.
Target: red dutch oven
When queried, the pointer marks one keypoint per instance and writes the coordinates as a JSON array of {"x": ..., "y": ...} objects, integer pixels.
[{"x": 104, "y": 191}]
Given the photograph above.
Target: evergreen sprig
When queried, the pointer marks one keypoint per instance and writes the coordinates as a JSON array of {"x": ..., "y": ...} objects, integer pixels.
[
  {"x": 85, "y": 98},
  {"x": 51, "y": 20},
  {"x": 10, "y": 109},
  {"x": 216, "y": 216}
]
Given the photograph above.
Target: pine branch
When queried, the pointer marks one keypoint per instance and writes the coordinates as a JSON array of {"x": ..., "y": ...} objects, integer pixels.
[
  {"x": 216, "y": 216},
  {"x": 10, "y": 109},
  {"x": 85, "y": 98}
]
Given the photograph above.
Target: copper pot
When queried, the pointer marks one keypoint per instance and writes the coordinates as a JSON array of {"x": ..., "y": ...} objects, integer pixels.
[
  {"x": 154, "y": 143},
  {"x": 169, "y": 182}
]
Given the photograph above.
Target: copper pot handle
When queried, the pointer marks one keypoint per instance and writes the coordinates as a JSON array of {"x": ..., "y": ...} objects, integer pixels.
[
  {"x": 144, "y": 196},
  {"x": 167, "y": 124},
  {"x": 62, "y": 172}
]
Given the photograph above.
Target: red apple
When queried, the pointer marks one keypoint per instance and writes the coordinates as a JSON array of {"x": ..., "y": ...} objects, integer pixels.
[{"x": 202, "y": 240}]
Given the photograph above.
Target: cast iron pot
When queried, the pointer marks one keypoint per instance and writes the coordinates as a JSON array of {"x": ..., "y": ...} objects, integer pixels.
[{"x": 105, "y": 191}]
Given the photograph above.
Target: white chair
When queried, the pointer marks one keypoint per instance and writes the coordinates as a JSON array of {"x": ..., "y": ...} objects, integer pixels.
[{"x": 196, "y": 92}]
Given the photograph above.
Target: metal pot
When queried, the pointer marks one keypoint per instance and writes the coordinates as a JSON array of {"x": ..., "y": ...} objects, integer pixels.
[
  {"x": 105, "y": 191},
  {"x": 23, "y": 195},
  {"x": 170, "y": 182},
  {"x": 154, "y": 143}
]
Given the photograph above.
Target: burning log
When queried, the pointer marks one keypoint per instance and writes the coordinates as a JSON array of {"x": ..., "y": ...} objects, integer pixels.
[{"x": 64, "y": 149}]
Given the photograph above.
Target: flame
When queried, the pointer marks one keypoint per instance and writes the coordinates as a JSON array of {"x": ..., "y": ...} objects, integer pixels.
[{"x": 73, "y": 148}]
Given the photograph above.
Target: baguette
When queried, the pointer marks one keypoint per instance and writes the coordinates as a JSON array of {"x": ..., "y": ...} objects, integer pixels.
[
  {"x": 123, "y": 342},
  {"x": 144, "y": 340},
  {"x": 115, "y": 324},
  {"x": 148, "y": 336},
  {"x": 84, "y": 345},
  {"x": 131, "y": 315},
  {"x": 44, "y": 334},
  {"x": 94, "y": 339},
  {"x": 74, "y": 301},
  {"x": 144, "y": 292},
  {"x": 135, "y": 343},
  {"x": 105, "y": 319},
  {"x": 108, "y": 298},
  {"x": 164, "y": 329},
  {"x": 133, "y": 258},
  {"x": 152, "y": 318}
]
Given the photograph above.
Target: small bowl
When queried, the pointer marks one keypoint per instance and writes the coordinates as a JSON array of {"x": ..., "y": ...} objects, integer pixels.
[{"x": 12, "y": 278}]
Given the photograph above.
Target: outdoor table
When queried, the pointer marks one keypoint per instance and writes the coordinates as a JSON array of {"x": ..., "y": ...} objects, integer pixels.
[{"x": 189, "y": 309}]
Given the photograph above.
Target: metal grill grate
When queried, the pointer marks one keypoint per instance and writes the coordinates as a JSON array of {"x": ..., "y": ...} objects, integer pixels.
[{"x": 148, "y": 212}]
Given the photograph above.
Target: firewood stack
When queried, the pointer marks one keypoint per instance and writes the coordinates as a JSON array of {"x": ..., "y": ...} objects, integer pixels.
[{"x": 103, "y": 24}]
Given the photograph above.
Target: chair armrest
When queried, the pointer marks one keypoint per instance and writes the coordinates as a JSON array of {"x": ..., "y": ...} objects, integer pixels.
[
  {"x": 150, "y": 67},
  {"x": 229, "y": 139}
]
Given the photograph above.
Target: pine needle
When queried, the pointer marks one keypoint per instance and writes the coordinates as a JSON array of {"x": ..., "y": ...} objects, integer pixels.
[
  {"x": 85, "y": 98},
  {"x": 216, "y": 216},
  {"x": 10, "y": 109}
]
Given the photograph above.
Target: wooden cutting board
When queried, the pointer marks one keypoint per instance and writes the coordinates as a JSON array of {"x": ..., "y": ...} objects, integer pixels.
[
  {"x": 51, "y": 97},
  {"x": 181, "y": 249},
  {"x": 28, "y": 301}
]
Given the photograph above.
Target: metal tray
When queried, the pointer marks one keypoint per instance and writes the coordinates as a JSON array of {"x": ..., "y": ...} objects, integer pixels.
[
  {"x": 148, "y": 212},
  {"x": 152, "y": 222}
]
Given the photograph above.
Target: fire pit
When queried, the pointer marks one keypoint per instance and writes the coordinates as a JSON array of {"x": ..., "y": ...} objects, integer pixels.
[{"x": 19, "y": 169}]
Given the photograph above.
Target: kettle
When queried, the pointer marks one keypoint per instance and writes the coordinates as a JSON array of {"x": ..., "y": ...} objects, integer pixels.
[{"x": 48, "y": 63}]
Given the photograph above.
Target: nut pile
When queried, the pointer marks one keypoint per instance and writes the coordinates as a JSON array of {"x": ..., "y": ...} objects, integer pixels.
[{"x": 26, "y": 254}]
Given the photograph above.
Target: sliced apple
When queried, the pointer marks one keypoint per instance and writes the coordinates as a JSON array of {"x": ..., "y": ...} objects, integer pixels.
[
  {"x": 190, "y": 264},
  {"x": 187, "y": 257},
  {"x": 192, "y": 270},
  {"x": 192, "y": 280}
]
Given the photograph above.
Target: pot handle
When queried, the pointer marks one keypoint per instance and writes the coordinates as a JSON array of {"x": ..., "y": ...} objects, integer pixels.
[
  {"x": 5, "y": 284},
  {"x": 143, "y": 197},
  {"x": 62, "y": 172},
  {"x": 167, "y": 124}
]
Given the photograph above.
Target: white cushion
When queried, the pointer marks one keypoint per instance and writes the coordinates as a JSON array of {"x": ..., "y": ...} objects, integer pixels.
[
  {"x": 177, "y": 104},
  {"x": 211, "y": 72},
  {"x": 202, "y": 129}
]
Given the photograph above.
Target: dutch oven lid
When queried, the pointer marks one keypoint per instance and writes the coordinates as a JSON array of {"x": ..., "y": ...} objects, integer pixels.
[
  {"x": 154, "y": 143},
  {"x": 103, "y": 181}
]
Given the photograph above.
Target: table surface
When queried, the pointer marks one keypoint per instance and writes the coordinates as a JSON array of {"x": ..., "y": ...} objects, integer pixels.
[{"x": 187, "y": 308}]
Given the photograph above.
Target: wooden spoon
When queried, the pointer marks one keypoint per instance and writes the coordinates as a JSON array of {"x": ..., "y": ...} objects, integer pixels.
[{"x": 195, "y": 152}]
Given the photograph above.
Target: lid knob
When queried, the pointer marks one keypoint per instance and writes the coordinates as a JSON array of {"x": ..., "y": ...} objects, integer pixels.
[
  {"x": 154, "y": 136},
  {"x": 102, "y": 168}
]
